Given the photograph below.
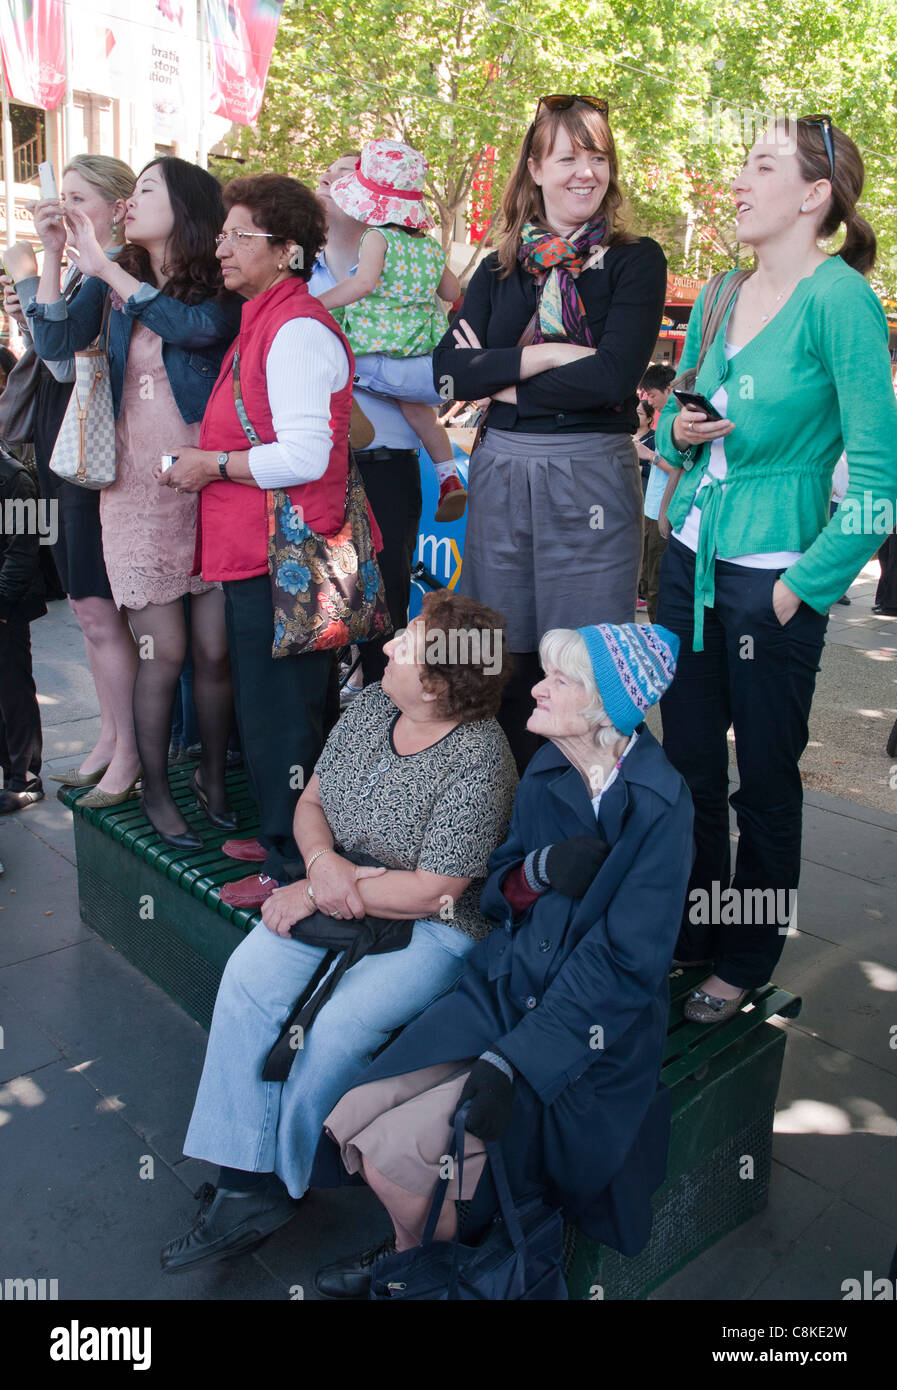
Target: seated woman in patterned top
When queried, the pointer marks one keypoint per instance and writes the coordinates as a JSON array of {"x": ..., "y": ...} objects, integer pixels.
[{"x": 417, "y": 776}]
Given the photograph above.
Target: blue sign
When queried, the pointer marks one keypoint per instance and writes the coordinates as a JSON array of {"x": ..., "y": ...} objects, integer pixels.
[{"x": 440, "y": 545}]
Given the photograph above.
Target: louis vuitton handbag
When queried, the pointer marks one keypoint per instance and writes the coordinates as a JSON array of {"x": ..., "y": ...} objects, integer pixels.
[
  {"x": 327, "y": 591},
  {"x": 84, "y": 452}
]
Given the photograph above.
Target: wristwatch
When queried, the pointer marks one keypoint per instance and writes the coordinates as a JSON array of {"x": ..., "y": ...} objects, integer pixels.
[{"x": 221, "y": 461}]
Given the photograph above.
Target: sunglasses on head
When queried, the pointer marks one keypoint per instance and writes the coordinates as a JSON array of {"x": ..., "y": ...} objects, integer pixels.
[
  {"x": 563, "y": 102},
  {"x": 825, "y": 125}
]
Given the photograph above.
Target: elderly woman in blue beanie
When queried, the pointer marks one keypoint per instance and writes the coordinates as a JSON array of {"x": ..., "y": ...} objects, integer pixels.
[{"x": 555, "y": 1034}]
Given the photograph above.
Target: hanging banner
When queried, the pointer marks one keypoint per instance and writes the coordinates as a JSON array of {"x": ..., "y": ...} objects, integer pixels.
[
  {"x": 32, "y": 44},
  {"x": 241, "y": 39},
  {"x": 145, "y": 53}
]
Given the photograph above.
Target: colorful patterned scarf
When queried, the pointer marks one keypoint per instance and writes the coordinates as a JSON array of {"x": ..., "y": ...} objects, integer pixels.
[{"x": 557, "y": 261}]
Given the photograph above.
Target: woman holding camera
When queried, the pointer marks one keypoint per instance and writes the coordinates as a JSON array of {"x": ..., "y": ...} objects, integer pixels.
[
  {"x": 170, "y": 324},
  {"x": 798, "y": 372}
]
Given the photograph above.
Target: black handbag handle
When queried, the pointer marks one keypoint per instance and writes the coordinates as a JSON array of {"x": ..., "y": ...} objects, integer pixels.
[{"x": 502, "y": 1188}]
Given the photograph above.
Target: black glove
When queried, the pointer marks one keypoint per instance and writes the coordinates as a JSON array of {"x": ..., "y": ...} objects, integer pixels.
[
  {"x": 491, "y": 1094},
  {"x": 569, "y": 866}
]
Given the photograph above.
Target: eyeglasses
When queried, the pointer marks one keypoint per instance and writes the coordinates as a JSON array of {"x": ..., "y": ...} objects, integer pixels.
[
  {"x": 562, "y": 102},
  {"x": 235, "y": 237},
  {"x": 825, "y": 125}
]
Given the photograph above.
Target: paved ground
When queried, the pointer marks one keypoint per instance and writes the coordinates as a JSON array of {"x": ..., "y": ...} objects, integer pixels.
[{"x": 98, "y": 1068}]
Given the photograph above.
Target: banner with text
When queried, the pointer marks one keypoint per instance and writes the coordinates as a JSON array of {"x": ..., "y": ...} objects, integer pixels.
[{"x": 241, "y": 38}]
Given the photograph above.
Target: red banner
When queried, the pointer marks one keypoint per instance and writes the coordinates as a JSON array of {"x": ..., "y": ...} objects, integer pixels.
[
  {"x": 32, "y": 44},
  {"x": 241, "y": 34}
]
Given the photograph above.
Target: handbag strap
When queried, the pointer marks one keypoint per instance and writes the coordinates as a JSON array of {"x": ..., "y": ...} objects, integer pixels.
[
  {"x": 248, "y": 428},
  {"x": 716, "y": 303}
]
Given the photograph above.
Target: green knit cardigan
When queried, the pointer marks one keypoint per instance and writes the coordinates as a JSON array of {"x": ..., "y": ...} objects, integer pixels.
[{"x": 816, "y": 381}]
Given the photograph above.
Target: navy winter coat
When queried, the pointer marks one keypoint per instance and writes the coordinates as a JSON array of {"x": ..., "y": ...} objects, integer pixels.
[{"x": 576, "y": 995}]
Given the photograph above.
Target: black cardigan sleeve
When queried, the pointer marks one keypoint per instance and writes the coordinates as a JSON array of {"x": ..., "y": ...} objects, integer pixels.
[
  {"x": 465, "y": 374},
  {"x": 611, "y": 374}
]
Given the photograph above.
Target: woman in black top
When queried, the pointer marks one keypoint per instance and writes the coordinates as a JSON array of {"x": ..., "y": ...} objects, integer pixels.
[{"x": 554, "y": 530}]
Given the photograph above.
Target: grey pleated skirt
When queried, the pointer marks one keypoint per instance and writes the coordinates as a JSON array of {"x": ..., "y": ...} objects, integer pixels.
[{"x": 554, "y": 531}]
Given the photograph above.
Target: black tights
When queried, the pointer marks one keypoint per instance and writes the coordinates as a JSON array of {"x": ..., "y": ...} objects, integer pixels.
[{"x": 161, "y": 633}]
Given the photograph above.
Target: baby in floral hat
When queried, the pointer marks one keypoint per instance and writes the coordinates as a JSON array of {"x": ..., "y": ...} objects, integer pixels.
[{"x": 390, "y": 301}]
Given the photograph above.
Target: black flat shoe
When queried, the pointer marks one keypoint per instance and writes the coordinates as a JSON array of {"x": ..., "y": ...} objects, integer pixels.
[
  {"x": 221, "y": 821},
  {"x": 228, "y": 1224},
  {"x": 188, "y": 840},
  {"x": 351, "y": 1278}
]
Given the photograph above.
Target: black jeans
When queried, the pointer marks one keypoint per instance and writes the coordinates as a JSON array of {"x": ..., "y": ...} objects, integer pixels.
[
  {"x": 392, "y": 482},
  {"x": 757, "y": 677},
  {"x": 285, "y": 710},
  {"x": 20, "y": 728}
]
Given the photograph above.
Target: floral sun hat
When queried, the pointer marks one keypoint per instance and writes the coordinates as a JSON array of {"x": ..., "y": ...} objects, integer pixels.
[{"x": 386, "y": 186}]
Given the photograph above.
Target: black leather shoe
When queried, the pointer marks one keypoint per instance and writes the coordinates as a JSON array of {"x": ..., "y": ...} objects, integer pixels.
[
  {"x": 351, "y": 1278},
  {"x": 228, "y": 1224},
  {"x": 15, "y": 801},
  {"x": 184, "y": 841},
  {"x": 222, "y": 820}
]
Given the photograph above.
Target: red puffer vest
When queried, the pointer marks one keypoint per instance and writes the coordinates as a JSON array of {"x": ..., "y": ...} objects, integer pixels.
[{"x": 232, "y": 526}]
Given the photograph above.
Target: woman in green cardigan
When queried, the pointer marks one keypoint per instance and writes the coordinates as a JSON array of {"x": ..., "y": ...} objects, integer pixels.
[{"x": 799, "y": 371}]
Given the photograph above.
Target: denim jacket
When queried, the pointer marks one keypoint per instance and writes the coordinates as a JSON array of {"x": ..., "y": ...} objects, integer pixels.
[{"x": 195, "y": 337}]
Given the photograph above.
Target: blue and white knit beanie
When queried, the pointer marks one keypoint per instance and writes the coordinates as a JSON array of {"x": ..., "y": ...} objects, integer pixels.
[{"x": 634, "y": 664}]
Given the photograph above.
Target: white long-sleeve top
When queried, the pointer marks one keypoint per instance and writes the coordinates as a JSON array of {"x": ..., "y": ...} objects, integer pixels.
[{"x": 306, "y": 364}]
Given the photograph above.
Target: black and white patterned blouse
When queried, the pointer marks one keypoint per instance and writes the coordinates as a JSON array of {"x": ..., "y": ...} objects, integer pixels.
[{"x": 443, "y": 810}]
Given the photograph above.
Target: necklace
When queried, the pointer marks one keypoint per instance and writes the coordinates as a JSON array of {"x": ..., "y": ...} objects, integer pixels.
[{"x": 778, "y": 299}]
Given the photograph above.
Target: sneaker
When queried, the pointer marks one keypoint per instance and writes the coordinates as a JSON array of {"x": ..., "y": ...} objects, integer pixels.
[
  {"x": 228, "y": 1224},
  {"x": 641, "y": 606},
  {"x": 351, "y": 1278},
  {"x": 16, "y": 801},
  {"x": 452, "y": 499},
  {"x": 348, "y": 694}
]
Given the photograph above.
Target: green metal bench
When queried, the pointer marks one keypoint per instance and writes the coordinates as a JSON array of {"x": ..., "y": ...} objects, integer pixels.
[{"x": 161, "y": 909}]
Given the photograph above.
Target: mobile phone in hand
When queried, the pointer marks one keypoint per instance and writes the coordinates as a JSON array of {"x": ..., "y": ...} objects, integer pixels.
[
  {"x": 47, "y": 176},
  {"x": 697, "y": 402}
]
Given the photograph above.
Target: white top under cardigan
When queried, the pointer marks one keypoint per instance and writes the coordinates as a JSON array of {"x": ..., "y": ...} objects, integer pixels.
[
  {"x": 306, "y": 364},
  {"x": 718, "y": 467}
]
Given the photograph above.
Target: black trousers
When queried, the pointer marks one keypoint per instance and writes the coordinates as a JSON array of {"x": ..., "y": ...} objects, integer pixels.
[
  {"x": 886, "y": 591},
  {"x": 392, "y": 482},
  {"x": 21, "y": 743},
  {"x": 517, "y": 704},
  {"x": 756, "y": 677},
  {"x": 285, "y": 710}
]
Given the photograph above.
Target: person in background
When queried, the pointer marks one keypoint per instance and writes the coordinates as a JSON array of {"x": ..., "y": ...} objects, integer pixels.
[
  {"x": 97, "y": 186},
  {"x": 21, "y": 601},
  {"x": 799, "y": 372},
  {"x": 643, "y": 440},
  {"x": 554, "y": 522},
  {"x": 657, "y": 383},
  {"x": 391, "y": 305},
  {"x": 170, "y": 325},
  {"x": 389, "y": 463}
]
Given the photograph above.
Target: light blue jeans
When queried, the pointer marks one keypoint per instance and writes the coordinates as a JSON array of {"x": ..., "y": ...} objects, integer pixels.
[
  {"x": 240, "y": 1121},
  {"x": 398, "y": 378}
]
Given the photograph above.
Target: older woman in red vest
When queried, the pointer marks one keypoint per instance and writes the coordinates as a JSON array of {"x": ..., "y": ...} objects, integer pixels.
[{"x": 295, "y": 380}]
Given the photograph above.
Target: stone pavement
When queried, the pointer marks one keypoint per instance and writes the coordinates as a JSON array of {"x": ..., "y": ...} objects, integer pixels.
[{"x": 98, "y": 1067}]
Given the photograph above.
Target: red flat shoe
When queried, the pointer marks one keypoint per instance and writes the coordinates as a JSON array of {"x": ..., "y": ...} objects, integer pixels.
[
  {"x": 249, "y": 892},
  {"x": 452, "y": 499},
  {"x": 251, "y": 850}
]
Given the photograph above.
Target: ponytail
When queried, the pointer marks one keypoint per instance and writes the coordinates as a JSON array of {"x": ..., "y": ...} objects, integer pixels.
[
  {"x": 859, "y": 244},
  {"x": 847, "y": 180}
]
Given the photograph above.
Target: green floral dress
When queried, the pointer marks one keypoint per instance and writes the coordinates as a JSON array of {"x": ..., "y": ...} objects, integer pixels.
[{"x": 402, "y": 316}]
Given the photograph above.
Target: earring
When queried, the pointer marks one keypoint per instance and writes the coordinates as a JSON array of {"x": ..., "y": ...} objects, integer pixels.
[
  {"x": 803, "y": 207},
  {"x": 115, "y": 226},
  {"x": 280, "y": 265}
]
